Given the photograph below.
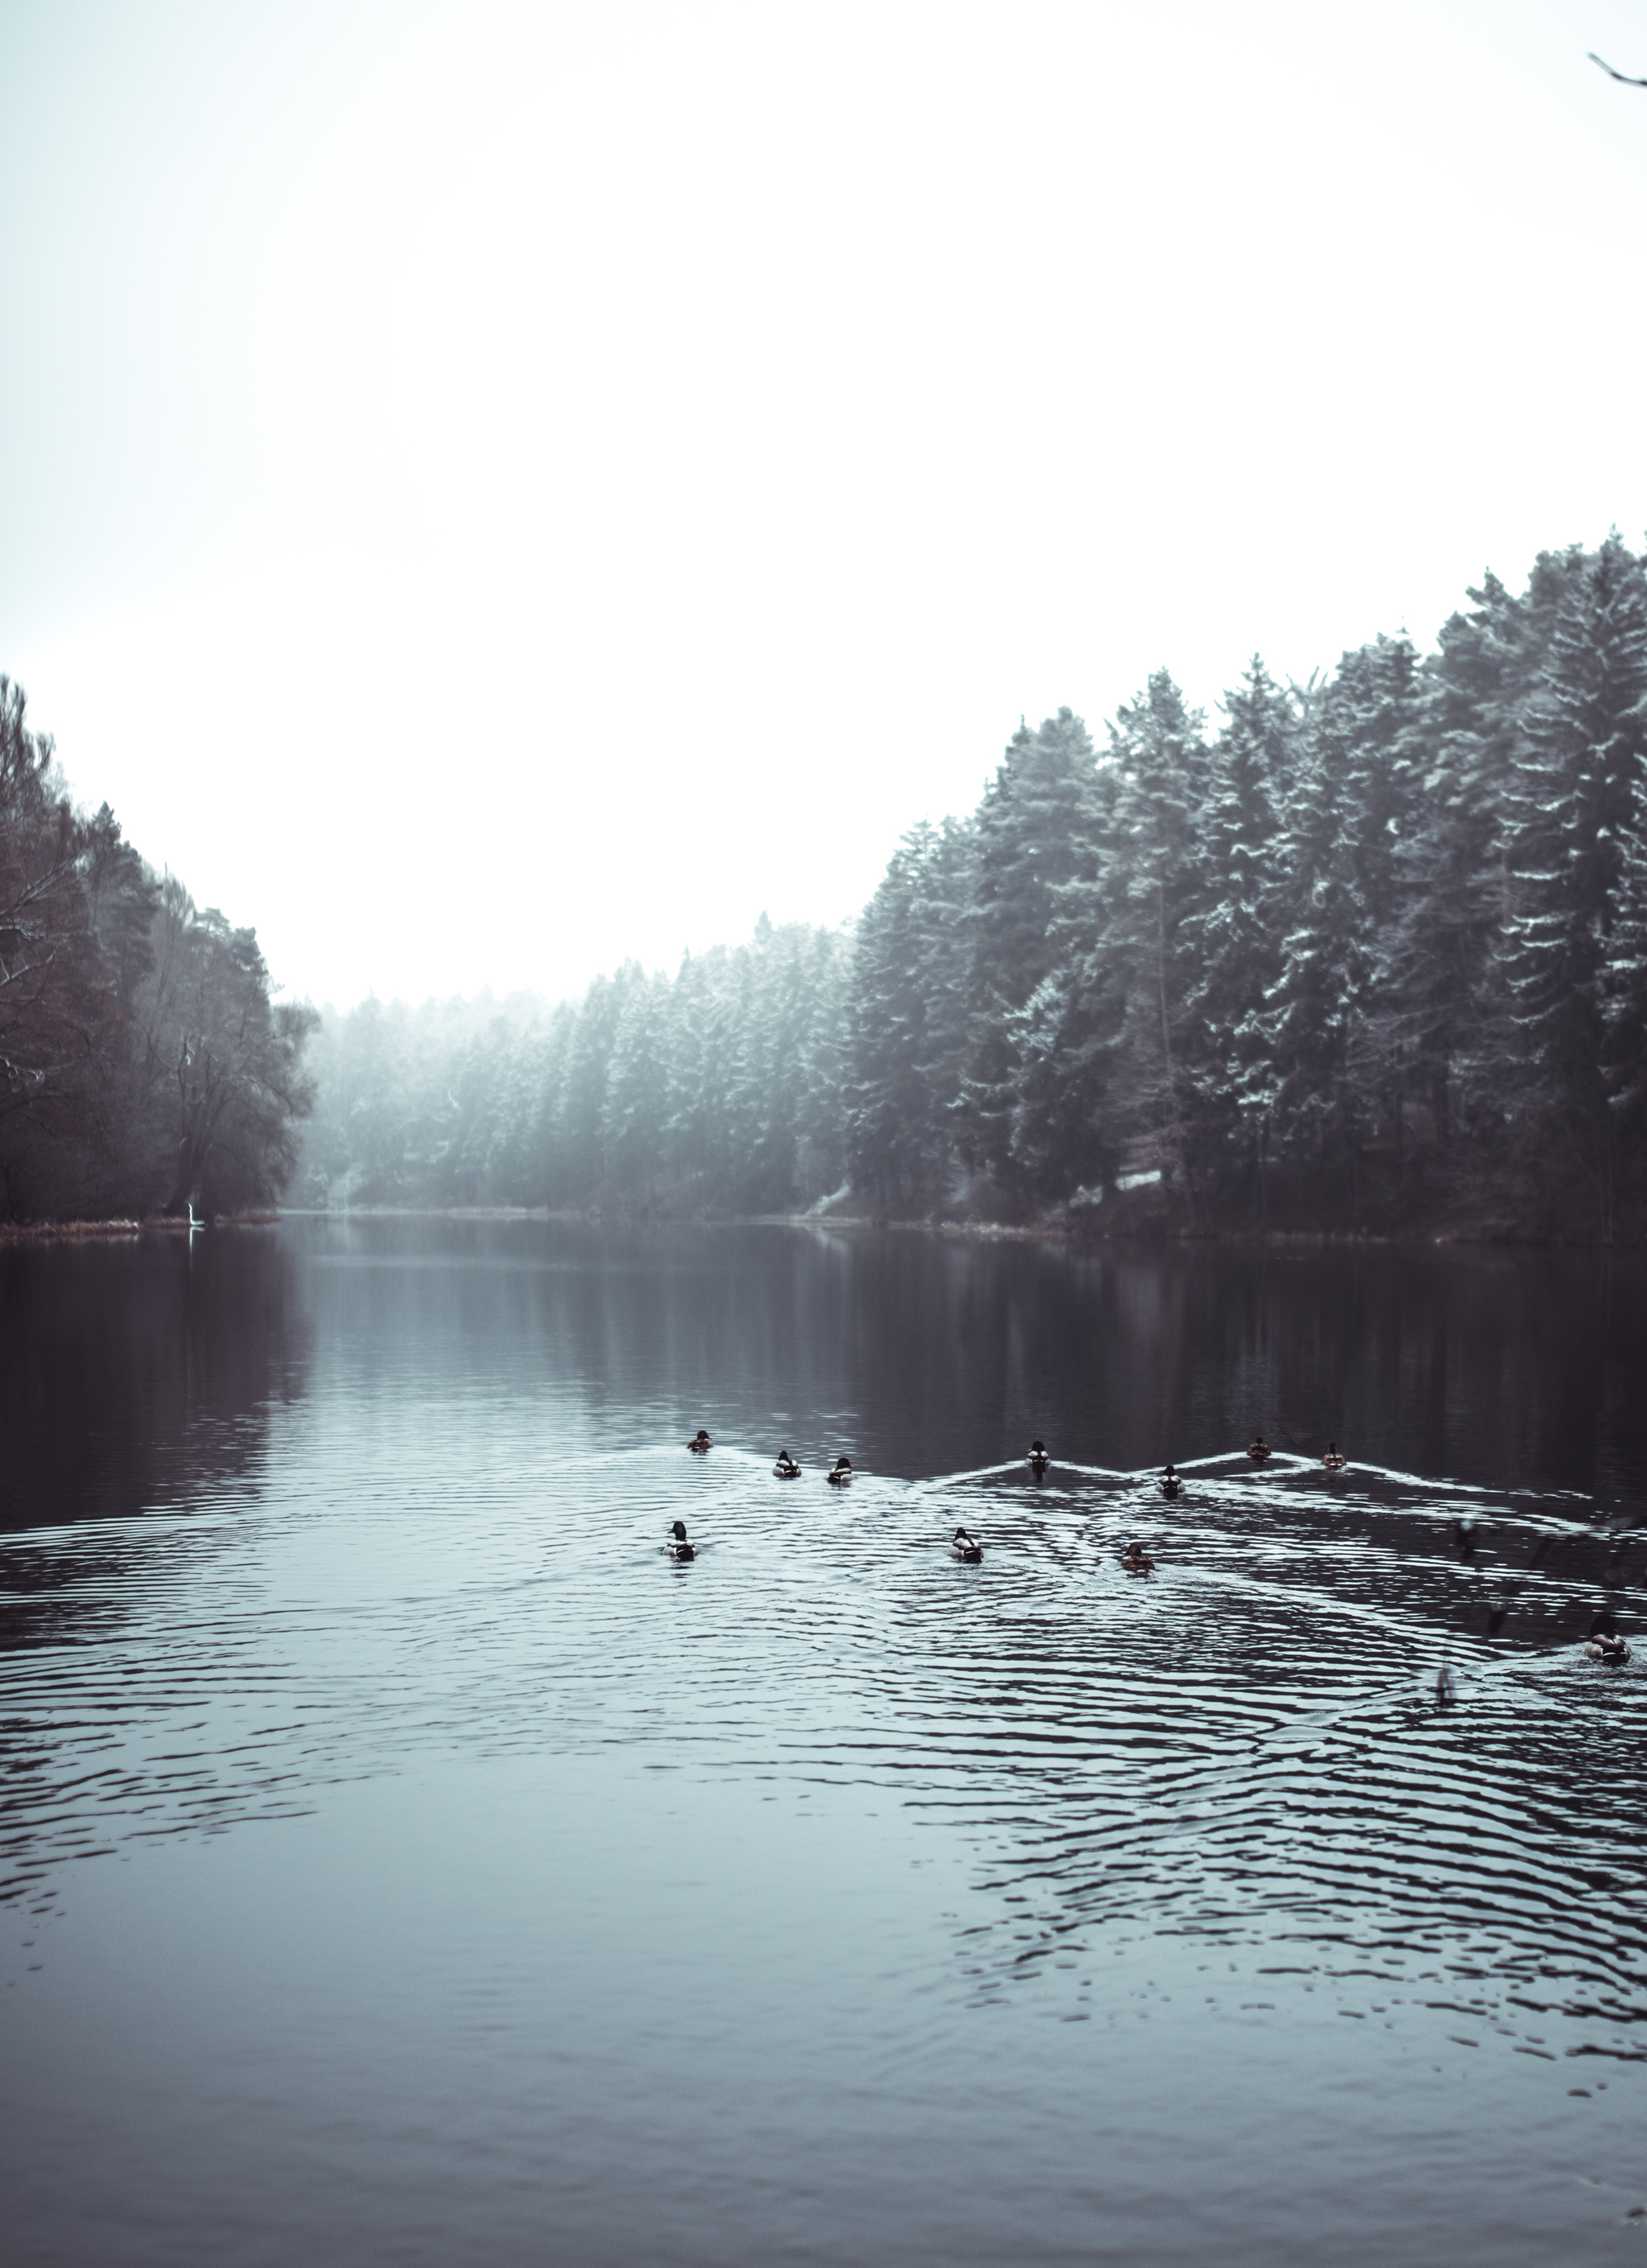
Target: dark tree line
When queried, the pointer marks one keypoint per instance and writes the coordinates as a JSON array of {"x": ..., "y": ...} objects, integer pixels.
[
  {"x": 1369, "y": 952},
  {"x": 144, "y": 1065},
  {"x": 1373, "y": 948}
]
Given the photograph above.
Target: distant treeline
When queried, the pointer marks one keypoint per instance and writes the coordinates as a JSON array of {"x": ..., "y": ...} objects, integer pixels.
[
  {"x": 143, "y": 1066},
  {"x": 1372, "y": 952},
  {"x": 720, "y": 1089}
]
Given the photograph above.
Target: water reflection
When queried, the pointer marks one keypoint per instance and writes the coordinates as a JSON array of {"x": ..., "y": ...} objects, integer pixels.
[
  {"x": 414, "y": 1531},
  {"x": 138, "y": 1373}
]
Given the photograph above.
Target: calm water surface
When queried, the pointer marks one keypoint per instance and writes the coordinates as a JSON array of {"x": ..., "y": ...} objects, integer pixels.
[{"x": 405, "y": 1863}]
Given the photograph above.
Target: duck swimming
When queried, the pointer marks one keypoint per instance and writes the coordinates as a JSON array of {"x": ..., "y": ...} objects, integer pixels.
[
  {"x": 1038, "y": 1460},
  {"x": 786, "y": 1468},
  {"x": 676, "y": 1545},
  {"x": 1136, "y": 1561},
  {"x": 1606, "y": 1645},
  {"x": 1334, "y": 1460},
  {"x": 699, "y": 1444},
  {"x": 1170, "y": 1481},
  {"x": 1258, "y": 1448},
  {"x": 965, "y": 1546},
  {"x": 840, "y": 1473}
]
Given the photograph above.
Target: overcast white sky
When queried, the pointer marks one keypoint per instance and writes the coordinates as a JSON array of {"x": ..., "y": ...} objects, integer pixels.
[{"x": 486, "y": 492}]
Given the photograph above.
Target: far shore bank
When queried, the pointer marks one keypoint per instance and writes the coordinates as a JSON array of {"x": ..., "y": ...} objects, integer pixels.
[
  {"x": 1079, "y": 1237},
  {"x": 94, "y": 1232}
]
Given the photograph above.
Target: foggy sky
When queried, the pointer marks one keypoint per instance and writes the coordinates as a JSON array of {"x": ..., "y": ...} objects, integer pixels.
[{"x": 488, "y": 491}]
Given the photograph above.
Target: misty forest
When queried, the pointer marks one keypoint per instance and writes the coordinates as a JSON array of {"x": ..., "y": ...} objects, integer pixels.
[{"x": 1367, "y": 953}]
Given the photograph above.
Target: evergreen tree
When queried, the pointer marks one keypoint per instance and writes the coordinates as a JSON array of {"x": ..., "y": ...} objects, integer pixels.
[
  {"x": 1573, "y": 814},
  {"x": 1036, "y": 832},
  {"x": 1228, "y": 946},
  {"x": 907, "y": 1022}
]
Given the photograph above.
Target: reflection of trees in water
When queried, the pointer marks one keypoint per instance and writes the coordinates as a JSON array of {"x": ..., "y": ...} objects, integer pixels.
[
  {"x": 133, "y": 1375},
  {"x": 1514, "y": 1369}
]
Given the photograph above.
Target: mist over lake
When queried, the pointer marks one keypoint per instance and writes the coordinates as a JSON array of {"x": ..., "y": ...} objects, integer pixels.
[{"x": 405, "y": 1859}]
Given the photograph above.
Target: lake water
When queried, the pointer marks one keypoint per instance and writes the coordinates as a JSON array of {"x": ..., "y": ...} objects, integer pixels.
[{"x": 404, "y": 1862}]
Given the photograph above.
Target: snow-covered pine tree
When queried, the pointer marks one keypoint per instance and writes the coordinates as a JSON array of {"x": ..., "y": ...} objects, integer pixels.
[
  {"x": 635, "y": 1105},
  {"x": 1573, "y": 813},
  {"x": 1036, "y": 834},
  {"x": 1230, "y": 954},
  {"x": 1132, "y": 979}
]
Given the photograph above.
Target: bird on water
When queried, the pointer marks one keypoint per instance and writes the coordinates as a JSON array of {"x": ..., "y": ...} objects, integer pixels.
[
  {"x": 1258, "y": 1448},
  {"x": 1136, "y": 1561},
  {"x": 1605, "y": 1645},
  {"x": 1334, "y": 1460},
  {"x": 1038, "y": 1460},
  {"x": 840, "y": 1473},
  {"x": 676, "y": 1545},
  {"x": 965, "y": 1546},
  {"x": 700, "y": 1443},
  {"x": 786, "y": 1468},
  {"x": 1172, "y": 1481}
]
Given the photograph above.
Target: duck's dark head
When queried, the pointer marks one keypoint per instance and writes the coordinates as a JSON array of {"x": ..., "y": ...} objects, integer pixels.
[
  {"x": 1037, "y": 1448},
  {"x": 678, "y": 1529}
]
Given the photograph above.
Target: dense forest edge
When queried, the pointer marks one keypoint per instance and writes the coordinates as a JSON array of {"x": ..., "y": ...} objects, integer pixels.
[
  {"x": 146, "y": 1069},
  {"x": 1368, "y": 956}
]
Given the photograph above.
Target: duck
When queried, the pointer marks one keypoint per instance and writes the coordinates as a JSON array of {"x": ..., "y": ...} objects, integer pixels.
[
  {"x": 1334, "y": 1460},
  {"x": 699, "y": 1444},
  {"x": 1606, "y": 1645},
  {"x": 786, "y": 1468},
  {"x": 1258, "y": 1448},
  {"x": 677, "y": 1545},
  {"x": 1038, "y": 1460},
  {"x": 1136, "y": 1561},
  {"x": 840, "y": 1473},
  {"x": 1170, "y": 1481},
  {"x": 965, "y": 1546}
]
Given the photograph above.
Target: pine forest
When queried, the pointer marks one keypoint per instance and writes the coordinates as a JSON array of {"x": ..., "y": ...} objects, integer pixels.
[{"x": 1365, "y": 955}]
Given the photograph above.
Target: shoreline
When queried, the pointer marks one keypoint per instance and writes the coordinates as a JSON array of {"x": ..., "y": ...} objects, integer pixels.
[
  {"x": 104, "y": 1232},
  {"x": 1080, "y": 1239}
]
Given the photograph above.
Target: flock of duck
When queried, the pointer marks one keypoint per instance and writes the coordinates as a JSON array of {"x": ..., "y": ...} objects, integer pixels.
[{"x": 1605, "y": 1643}]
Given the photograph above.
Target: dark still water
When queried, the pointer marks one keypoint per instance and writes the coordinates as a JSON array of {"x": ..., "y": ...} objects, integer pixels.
[{"x": 404, "y": 1862}]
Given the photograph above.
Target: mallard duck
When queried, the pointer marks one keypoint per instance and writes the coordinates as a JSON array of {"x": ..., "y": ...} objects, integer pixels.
[
  {"x": 965, "y": 1546},
  {"x": 1605, "y": 1645},
  {"x": 1258, "y": 1448},
  {"x": 699, "y": 1444},
  {"x": 840, "y": 1473},
  {"x": 677, "y": 1546},
  {"x": 1038, "y": 1460},
  {"x": 786, "y": 1468},
  {"x": 1334, "y": 1460},
  {"x": 1171, "y": 1483},
  {"x": 1136, "y": 1561}
]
